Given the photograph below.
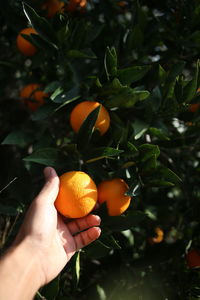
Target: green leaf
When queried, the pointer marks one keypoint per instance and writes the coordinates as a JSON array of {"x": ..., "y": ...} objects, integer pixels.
[
  {"x": 76, "y": 267},
  {"x": 97, "y": 250},
  {"x": 134, "y": 189},
  {"x": 41, "y": 25},
  {"x": 87, "y": 129},
  {"x": 18, "y": 137},
  {"x": 46, "y": 156},
  {"x": 158, "y": 133},
  {"x": 51, "y": 87},
  {"x": 102, "y": 152},
  {"x": 85, "y": 53},
  {"x": 147, "y": 151},
  {"x": 56, "y": 93},
  {"x": 150, "y": 164},
  {"x": 132, "y": 74},
  {"x": 101, "y": 293},
  {"x": 168, "y": 175},
  {"x": 61, "y": 96},
  {"x": 139, "y": 128},
  {"x": 190, "y": 89},
  {"x": 160, "y": 183},
  {"x": 51, "y": 290},
  {"x": 44, "y": 111},
  {"x": 120, "y": 223},
  {"x": 171, "y": 78},
  {"x": 132, "y": 148},
  {"x": 110, "y": 62},
  {"x": 125, "y": 97},
  {"x": 39, "y": 42}
]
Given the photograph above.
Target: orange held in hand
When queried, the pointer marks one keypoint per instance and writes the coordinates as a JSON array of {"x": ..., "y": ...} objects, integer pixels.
[
  {"x": 112, "y": 192},
  {"x": 193, "y": 258},
  {"x": 24, "y": 46},
  {"x": 83, "y": 109},
  {"x": 77, "y": 194},
  {"x": 33, "y": 96}
]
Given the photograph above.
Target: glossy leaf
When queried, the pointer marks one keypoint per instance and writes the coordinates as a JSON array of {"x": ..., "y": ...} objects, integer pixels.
[
  {"x": 132, "y": 74},
  {"x": 87, "y": 129},
  {"x": 103, "y": 152}
]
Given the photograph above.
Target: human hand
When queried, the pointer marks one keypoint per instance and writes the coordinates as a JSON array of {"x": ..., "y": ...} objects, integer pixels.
[{"x": 53, "y": 241}]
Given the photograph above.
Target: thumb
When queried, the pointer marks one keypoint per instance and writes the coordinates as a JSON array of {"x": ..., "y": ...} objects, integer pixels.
[{"x": 51, "y": 187}]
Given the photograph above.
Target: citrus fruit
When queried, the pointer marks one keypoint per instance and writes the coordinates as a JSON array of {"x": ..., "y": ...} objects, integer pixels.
[
  {"x": 112, "y": 192},
  {"x": 24, "y": 46},
  {"x": 83, "y": 109},
  {"x": 32, "y": 95},
  {"x": 53, "y": 7},
  {"x": 158, "y": 238},
  {"x": 194, "y": 107},
  {"x": 75, "y": 4},
  {"x": 193, "y": 258},
  {"x": 77, "y": 194}
]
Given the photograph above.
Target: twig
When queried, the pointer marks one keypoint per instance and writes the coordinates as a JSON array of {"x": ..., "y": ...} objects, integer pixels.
[{"x": 8, "y": 185}]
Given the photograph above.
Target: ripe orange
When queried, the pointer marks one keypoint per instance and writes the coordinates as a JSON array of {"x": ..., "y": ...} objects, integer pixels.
[
  {"x": 53, "y": 7},
  {"x": 194, "y": 107},
  {"x": 193, "y": 258},
  {"x": 24, "y": 46},
  {"x": 32, "y": 96},
  {"x": 75, "y": 4},
  {"x": 83, "y": 109},
  {"x": 112, "y": 192},
  {"x": 77, "y": 194},
  {"x": 158, "y": 238}
]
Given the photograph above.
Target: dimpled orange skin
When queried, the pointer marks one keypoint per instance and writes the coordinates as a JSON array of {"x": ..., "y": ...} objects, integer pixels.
[
  {"x": 53, "y": 7},
  {"x": 32, "y": 96},
  {"x": 24, "y": 46},
  {"x": 193, "y": 259},
  {"x": 77, "y": 195},
  {"x": 112, "y": 192},
  {"x": 83, "y": 109}
]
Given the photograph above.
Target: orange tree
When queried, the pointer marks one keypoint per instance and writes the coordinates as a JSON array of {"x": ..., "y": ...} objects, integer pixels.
[{"x": 139, "y": 60}]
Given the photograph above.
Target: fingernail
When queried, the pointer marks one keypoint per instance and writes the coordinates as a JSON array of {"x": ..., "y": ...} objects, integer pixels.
[
  {"x": 98, "y": 218},
  {"x": 49, "y": 173},
  {"x": 53, "y": 172}
]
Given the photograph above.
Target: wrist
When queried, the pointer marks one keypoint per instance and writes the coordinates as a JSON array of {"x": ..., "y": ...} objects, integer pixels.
[{"x": 20, "y": 269}]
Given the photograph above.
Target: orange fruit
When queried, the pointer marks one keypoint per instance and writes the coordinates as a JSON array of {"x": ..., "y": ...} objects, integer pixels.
[
  {"x": 193, "y": 258},
  {"x": 83, "y": 109},
  {"x": 75, "y": 4},
  {"x": 158, "y": 238},
  {"x": 53, "y": 7},
  {"x": 112, "y": 192},
  {"x": 122, "y": 3},
  {"x": 77, "y": 194},
  {"x": 32, "y": 96},
  {"x": 194, "y": 107},
  {"x": 24, "y": 46}
]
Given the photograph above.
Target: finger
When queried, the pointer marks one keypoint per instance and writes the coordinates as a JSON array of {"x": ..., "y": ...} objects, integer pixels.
[
  {"x": 51, "y": 187},
  {"x": 83, "y": 223},
  {"x": 86, "y": 237}
]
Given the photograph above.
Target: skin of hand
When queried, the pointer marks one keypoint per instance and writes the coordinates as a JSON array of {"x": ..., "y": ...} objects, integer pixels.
[{"x": 46, "y": 239}]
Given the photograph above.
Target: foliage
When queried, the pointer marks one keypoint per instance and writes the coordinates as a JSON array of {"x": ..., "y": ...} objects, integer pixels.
[{"x": 140, "y": 60}]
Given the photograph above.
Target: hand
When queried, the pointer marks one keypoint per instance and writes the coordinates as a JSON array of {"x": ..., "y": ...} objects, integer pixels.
[
  {"x": 55, "y": 241},
  {"x": 44, "y": 244}
]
